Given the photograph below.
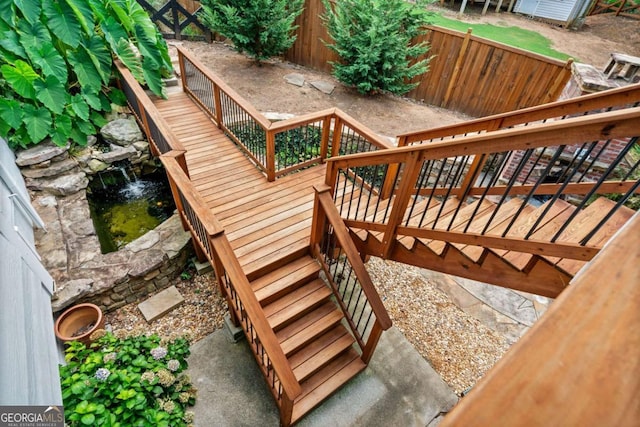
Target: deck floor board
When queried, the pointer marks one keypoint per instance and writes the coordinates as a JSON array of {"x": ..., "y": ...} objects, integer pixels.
[{"x": 263, "y": 220}]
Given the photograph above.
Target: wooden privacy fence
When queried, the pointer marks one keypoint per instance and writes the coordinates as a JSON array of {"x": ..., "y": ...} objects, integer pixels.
[
  {"x": 467, "y": 73},
  {"x": 628, "y": 8}
]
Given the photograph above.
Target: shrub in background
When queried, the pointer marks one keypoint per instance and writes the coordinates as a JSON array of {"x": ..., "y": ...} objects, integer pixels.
[
  {"x": 374, "y": 41},
  {"x": 56, "y": 65},
  {"x": 261, "y": 28},
  {"x": 127, "y": 380}
]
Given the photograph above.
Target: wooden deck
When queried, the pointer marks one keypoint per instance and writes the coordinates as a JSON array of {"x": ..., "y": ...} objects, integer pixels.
[{"x": 263, "y": 221}]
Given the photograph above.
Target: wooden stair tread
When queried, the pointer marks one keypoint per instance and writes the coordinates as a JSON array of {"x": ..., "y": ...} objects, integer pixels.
[
  {"x": 325, "y": 382},
  {"x": 272, "y": 285},
  {"x": 320, "y": 352},
  {"x": 296, "y": 303},
  {"x": 296, "y": 335}
]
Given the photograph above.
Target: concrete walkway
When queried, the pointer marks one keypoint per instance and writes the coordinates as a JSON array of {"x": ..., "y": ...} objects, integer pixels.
[{"x": 399, "y": 388}]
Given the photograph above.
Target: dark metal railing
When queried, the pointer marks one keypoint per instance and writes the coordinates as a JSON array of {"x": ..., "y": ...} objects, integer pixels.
[
  {"x": 344, "y": 270},
  {"x": 467, "y": 187}
]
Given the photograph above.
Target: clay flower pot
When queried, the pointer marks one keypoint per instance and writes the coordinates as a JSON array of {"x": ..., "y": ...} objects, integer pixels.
[{"x": 77, "y": 323}]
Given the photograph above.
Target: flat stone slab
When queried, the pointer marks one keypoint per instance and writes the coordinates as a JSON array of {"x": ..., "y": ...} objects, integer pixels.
[
  {"x": 324, "y": 87},
  {"x": 294, "y": 79},
  {"x": 160, "y": 304}
]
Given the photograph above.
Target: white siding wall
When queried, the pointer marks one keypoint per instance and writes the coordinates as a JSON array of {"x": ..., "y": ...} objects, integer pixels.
[
  {"x": 557, "y": 10},
  {"x": 28, "y": 352}
]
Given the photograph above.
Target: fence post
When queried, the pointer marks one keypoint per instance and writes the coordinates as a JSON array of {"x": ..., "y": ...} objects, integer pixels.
[
  {"x": 559, "y": 83},
  {"x": 453, "y": 81}
]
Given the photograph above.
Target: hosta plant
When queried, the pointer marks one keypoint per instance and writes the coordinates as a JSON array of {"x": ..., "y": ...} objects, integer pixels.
[
  {"x": 127, "y": 379},
  {"x": 56, "y": 65}
]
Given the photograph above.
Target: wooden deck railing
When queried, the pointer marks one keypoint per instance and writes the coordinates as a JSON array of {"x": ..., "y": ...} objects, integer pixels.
[
  {"x": 347, "y": 275},
  {"x": 280, "y": 147},
  {"x": 209, "y": 238},
  {"x": 584, "y": 105},
  {"x": 557, "y": 160},
  {"x": 160, "y": 136}
]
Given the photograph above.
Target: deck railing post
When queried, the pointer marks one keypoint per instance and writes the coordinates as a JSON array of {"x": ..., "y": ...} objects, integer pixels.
[
  {"x": 319, "y": 217},
  {"x": 372, "y": 342},
  {"x": 183, "y": 74},
  {"x": 218, "y": 105},
  {"x": 175, "y": 193},
  {"x": 271, "y": 155},
  {"x": 326, "y": 133},
  {"x": 337, "y": 137}
]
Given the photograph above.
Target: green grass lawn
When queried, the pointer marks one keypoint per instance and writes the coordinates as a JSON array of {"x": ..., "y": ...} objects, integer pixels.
[{"x": 512, "y": 36}]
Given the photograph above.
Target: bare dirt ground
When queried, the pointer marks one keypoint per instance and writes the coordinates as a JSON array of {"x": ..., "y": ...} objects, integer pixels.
[{"x": 266, "y": 89}]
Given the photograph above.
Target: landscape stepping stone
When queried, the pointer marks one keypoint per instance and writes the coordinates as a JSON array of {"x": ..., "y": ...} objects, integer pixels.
[
  {"x": 160, "y": 304},
  {"x": 324, "y": 87},
  {"x": 295, "y": 79}
]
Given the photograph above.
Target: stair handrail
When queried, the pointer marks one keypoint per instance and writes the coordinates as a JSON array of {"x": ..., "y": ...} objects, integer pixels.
[
  {"x": 409, "y": 163},
  {"x": 585, "y": 104},
  {"x": 160, "y": 136},
  {"x": 210, "y": 239},
  {"x": 325, "y": 132},
  {"x": 326, "y": 215}
]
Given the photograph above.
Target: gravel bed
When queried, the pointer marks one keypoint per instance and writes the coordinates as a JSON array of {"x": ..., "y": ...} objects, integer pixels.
[
  {"x": 201, "y": 313},
  {"x": 456, "y": 344}
]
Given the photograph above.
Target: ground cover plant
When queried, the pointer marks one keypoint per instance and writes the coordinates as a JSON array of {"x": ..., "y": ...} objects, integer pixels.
[
  {"x": 56, "y": 65},
  {"x": 374, "y": 40},
  {"x": 260, "y": 28},
  {"x": 509, "y": 35},
  {"x": 127, "y": 379}
]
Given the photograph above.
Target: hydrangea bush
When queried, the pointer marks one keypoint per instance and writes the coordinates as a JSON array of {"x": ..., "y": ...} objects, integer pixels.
[{"x": 127, "y": 379}]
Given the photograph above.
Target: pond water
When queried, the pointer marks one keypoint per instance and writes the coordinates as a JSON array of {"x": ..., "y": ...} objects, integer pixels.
[{"x": 124, "y": 207}]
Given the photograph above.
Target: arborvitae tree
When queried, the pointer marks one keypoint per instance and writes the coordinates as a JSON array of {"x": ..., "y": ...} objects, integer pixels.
[
  {"x": 374, "y": 41},
  {"x": 261, "y": 28}
]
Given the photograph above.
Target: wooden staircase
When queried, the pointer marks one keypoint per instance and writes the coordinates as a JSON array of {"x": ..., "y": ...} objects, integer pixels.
[
  {"x": 310, "y": 329},
  {"x": 542, "y": 273},
  {"x": 295, "y": 280}
]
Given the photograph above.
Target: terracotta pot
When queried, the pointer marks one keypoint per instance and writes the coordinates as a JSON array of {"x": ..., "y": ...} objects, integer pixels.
[{"x": 77, "y": 323}]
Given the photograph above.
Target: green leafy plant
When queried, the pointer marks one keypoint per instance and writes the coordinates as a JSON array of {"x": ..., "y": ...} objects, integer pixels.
[
  {"x": 374, "y": 39},
  {"x": 261, "y": 28},
  {"x": 127, "y": 379},
  {"x": 56, "y": 65}
]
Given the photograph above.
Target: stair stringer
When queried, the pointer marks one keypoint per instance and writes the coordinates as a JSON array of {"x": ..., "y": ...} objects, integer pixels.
[{"x": 539, "y": 277}]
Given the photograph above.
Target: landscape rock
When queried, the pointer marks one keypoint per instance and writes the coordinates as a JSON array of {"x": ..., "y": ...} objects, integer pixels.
[
  {"x": 295, "y": 79},
  {"x": 54, "y": 169},
  {"x": 324, "y": 87},
  {"x": 147, "y": 261},
  {"x": 63, "y": 185},
  {"x": 144, "y": 242},
  {"x": 117, "y": 154},
  {"x": 121, "y": 132},
  {"x": 70, "y": 292},
  {"x": 39, "y": 153},
  {"x": 141, "y": 145},
  {"x": 96, "y": 165},
  {"x": 91, "y": 140}
]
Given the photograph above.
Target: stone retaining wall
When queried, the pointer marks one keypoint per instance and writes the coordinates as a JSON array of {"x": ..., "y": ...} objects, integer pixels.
[{"x": 57, "y": 178}]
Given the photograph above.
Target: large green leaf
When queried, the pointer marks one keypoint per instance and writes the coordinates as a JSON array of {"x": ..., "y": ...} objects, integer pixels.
[
  {"x": 98, "y": 119},
  {"x": 113, "y": 31},
  {"x": 153, "y": 79},
  {"x": 117, "y": 96},
  {"x": 30, "y": 9},
  {"x": 125, "y": 52},
  {"x": 61, "y": 130},
  {"x": 11, "y": 112},
  {"x": 85, "y": 127},
  {"x": 141, "y": 18},
  {"x": 118, "y": 7},
  {"x": 88, "y": 77},
  {"x": 51, "y": 62},
  {"x": 83, "y": 14},
  {"x": 100, "y": 56},
  {"x": 92, "y": 100},
  {"x": 7, "y": 12},
  {"x": 62, "y": 22},
  {"x": 37, "y": 122},
  {"x": 80, "y": 107},
  {"x": 4, "y": 129},
  {"x": 148, "y": 49},
  {"x": 51, "y": 92},
  {"x": 33, "y": 35},
  {"x": 21, "y": 77},
  {"x": 9, "y": 40}
]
